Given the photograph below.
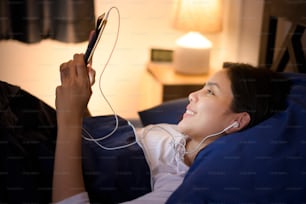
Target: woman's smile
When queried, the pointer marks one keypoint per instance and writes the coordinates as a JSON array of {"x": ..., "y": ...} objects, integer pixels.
[{"x": 188, "y": 113}]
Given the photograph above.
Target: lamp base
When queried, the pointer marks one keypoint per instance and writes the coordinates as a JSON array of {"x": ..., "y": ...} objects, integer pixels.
[{"x": 191, "y": 60}]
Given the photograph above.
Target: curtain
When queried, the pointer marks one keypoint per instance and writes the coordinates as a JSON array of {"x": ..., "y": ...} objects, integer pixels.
[{"x": 31, "y": 21}]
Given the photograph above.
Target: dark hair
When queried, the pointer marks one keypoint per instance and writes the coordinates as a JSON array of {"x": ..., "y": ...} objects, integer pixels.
[{"x": 257, "y": 91}]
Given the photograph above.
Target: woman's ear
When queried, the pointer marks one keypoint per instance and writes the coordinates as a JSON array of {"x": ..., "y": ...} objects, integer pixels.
[{"x": 242, "y": 119}]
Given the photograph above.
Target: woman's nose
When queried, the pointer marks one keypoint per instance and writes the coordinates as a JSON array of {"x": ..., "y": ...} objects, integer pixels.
[{"x": 191, "y": 96}]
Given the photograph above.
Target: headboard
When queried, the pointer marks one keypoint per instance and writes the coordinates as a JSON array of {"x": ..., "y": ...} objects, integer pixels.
[{"x": 283, "y": 39}]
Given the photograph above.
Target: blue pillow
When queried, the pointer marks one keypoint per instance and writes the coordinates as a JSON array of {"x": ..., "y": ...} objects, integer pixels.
[
  {"x": 167, "y": 112},
  {"x": 113, "y": 176},
  {"x": 264, "y": 164}
]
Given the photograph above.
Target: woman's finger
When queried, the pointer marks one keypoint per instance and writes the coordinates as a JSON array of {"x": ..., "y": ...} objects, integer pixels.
[
  {"x": 64, "y": 71},
  {"x": 80, "y": 68},
  {"x": 91, "y": 74}
]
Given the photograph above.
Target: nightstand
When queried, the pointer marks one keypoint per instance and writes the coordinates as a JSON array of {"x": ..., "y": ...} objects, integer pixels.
[{"x": 161, "y": 83}]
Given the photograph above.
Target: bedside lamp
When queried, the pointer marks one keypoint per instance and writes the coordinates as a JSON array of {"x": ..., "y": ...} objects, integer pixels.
[{"x": 196, "y": 17}]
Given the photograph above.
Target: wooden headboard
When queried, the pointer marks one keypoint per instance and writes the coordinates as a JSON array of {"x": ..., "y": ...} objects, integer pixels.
[{"x": 283, "y": 38}]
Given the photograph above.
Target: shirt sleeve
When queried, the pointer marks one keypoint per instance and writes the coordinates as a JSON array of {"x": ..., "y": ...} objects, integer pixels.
[
  {"x": 81, "y": 198},
  {"x": 163, "y": 188},
  {"x": 155, "y": 197},
  {"x": 166, "y": 184}
]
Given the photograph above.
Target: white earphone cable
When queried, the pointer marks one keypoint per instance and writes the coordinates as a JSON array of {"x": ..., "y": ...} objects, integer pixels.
[
  {"x": 235, "y": 124},
  {"x": 89, "y": 137},
  {"x": 182, "y": 146}
]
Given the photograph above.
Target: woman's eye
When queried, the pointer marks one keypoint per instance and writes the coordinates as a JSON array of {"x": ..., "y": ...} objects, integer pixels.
[{"x": 209, "y": 92}]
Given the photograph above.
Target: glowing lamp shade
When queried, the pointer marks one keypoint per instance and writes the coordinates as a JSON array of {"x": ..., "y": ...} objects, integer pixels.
[{"x": 197, "y": 17}]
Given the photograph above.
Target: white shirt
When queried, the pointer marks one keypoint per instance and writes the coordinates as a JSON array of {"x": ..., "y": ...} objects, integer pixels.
[{"x": 164, "y": 147}]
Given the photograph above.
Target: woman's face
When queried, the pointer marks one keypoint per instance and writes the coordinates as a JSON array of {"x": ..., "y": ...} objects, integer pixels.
[{"x": 208, "y": 111}]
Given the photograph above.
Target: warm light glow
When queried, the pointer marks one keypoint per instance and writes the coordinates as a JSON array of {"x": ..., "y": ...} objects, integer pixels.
[
  {"x": 194, "y": 40},
  {"x": 192, "y": 54},
  {"x": 203, "y": 16}
]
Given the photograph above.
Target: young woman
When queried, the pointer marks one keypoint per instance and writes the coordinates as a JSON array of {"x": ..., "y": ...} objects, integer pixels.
[{"x": 232, "y": 99}]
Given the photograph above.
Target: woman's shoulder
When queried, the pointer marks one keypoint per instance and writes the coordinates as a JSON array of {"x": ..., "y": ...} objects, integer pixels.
[{"x": 162, "y": 130}]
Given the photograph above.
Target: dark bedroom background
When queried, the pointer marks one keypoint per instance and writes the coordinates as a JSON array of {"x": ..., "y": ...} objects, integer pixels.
[{"x": 31, "y": 21}]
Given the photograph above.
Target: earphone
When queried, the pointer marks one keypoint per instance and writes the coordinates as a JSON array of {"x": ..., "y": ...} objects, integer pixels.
[
  {"x": 180, "y": 146},
  {"x": 233, "y": 125},
  {"x": 87, "y": 136}
]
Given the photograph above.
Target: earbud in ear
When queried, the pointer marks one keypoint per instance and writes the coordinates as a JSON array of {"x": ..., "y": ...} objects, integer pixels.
[{"x": 233, "y": 125}]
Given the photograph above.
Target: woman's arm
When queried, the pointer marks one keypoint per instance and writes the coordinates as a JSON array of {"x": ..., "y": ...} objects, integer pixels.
[{"x": 71, "y": 101}]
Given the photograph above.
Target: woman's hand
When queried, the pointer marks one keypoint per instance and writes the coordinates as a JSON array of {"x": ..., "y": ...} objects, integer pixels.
[{"x": 73, "y": 95}]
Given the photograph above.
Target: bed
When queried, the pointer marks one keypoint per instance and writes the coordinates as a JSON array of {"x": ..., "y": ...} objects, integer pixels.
[{"x": 265, "y": 164}]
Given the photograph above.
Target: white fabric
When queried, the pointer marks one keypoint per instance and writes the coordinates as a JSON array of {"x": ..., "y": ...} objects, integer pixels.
[
  {"x": 163, "y": 147},
  {"x": 81, "y": 198}
]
